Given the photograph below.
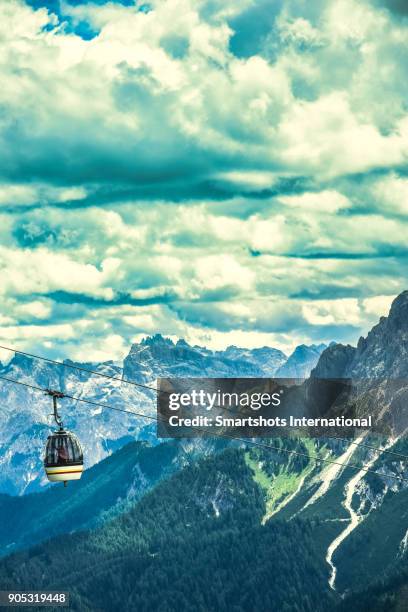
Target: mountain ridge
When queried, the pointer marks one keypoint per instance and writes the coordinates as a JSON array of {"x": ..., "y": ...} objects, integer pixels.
[
  {"x": 377, "y": 354},
  {"x": 24, "y": 420}
]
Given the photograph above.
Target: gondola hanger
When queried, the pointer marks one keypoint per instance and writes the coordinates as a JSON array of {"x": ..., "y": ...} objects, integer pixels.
[
  {"x": 63, "y": 459},
  {"x": 55, "y": 395}
]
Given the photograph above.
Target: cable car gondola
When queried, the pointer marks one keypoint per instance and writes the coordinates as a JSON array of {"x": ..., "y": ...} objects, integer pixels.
[{"x": 63, "y": 459}]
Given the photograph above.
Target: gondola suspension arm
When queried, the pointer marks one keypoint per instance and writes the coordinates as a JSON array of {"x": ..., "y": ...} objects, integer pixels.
[{"x": 56, "y": 395}]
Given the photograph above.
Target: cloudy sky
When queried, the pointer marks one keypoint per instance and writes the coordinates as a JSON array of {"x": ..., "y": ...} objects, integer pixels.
[{"x": 228, "y": 172}]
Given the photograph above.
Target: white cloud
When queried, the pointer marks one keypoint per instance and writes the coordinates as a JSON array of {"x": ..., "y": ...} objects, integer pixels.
[
  {"x": 22, "y": 194},
  {"x": 19, "y": 22},
  {"x": 220, "y": 271},
  {"x": 250, "y": 339},
  {"x": 39, "y": 309},
  {"x": 299, "y": 31},
  {"x": 22, "y": 335},
  {"x": 42, "y": 271},
  {"x": 247, "y": 180},
  {"x": 116, "y": 118},
  {"x": 111, "y": 347},
  {"x": 327, "y": 201},
  {"x": 330, "y": 312},
  {"x": 326, "y": 137},
  {"x": 378, "y": 305},
  {"x": 351, "y": 20},
  {"x": 17, "y": 194},
  {"x": 123, "y": 86},
  {"x": 391, "y": 193}
]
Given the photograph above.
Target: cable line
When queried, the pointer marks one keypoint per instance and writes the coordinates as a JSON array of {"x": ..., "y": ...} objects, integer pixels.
[
  {"x": 157, "y": 391},
  {"x": 81, "y": 369},
  {"x": 374, "y": 448},
  {"x": 221, "y": 435},
  {"x": 79, "y": 399}
]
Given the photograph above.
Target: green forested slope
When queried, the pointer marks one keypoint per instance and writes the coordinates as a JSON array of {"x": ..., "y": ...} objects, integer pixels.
[
  {"x": 193, "y": 542},
  {"x": 387, "y": 595},
  {"x": 105, "y": 489}
]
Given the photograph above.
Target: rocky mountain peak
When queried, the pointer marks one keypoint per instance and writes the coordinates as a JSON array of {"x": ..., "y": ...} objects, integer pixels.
[
  {"x": 334, "y": 361},
  {"x": 399, "y": 309},
  {"x": 155, "y": 340},
  {"x": 301, "y": 361},
  {"x": 382, "y": 353}
]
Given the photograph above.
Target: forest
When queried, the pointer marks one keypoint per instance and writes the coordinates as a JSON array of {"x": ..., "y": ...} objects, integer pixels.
[{"x": 194, "y": 541}]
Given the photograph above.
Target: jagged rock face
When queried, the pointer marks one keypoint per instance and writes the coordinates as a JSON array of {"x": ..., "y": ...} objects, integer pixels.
[
  {"x": 160, "y": 357},
  {"x": 385, "y": 350},
  {"x": 383, "y": 353},
  {"x": 377, "y": 369},
  {"x": 334, "y": 361},
  {"x": 266, "y": 359},
  {"x": 301, "y": 362}
]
